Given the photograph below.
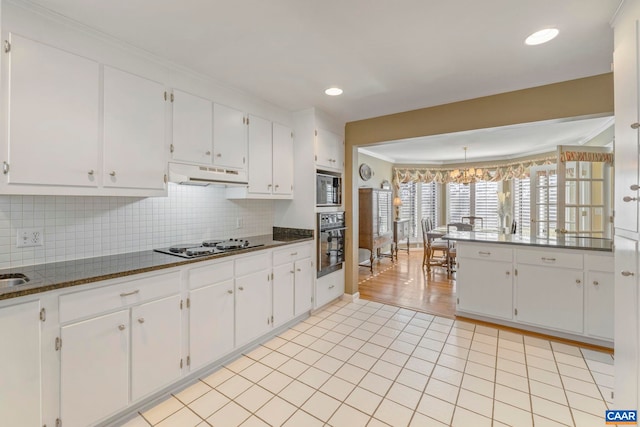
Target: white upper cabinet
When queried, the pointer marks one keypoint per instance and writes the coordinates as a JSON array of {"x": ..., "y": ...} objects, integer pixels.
[
  {"x": 53, "y": 116},
  {"x": 260, "y": 149},
  {"x": 282, "y": 160},
  {"x": 329, "y": 150},
  {"x": 229, "y": 137},
  {"x": 134, "y": 126},
  {"x": 192, "y": 129}
]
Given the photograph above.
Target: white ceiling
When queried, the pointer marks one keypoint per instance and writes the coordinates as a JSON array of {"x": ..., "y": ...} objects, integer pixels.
[
  {"x": 388, "y": 56},
  {"x": 492, "y": 144}
]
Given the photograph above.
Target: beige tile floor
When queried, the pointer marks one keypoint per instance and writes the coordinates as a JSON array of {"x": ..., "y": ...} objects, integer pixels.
[{"x": 369, "y": 364}]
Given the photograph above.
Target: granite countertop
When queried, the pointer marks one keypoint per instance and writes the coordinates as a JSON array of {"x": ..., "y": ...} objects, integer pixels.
[
  {"x": 57, "y": 275},
  {"x": 562, "y": 242}
]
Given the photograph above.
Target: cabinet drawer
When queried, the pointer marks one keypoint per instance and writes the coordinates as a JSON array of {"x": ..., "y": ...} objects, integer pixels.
[
  {"x": 489, "y": 252},
  {"x": 95, "y": 301},
  {"x": 210, "y": 274},
  {"x": 291, "y": 253},
  {"x": 329, "y": 287},
  {"x": 549, "y": 258},
  {"x": 253, "y": 263},
  {"x": 599, "y": 263}
]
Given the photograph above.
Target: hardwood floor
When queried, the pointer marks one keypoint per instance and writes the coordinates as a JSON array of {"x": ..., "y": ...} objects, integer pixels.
[{"x": 404, "y": 283}]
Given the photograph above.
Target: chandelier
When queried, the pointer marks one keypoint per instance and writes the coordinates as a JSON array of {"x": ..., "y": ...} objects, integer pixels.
[{"x": 467, "y": 175}]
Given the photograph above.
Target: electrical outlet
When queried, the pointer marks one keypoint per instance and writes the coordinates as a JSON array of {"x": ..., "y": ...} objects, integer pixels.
[
  {"x": 28, "y": 237},
  {"x": 239, "y": 222}
]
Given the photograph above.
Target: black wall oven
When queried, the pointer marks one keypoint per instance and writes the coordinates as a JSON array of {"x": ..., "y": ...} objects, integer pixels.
[{"x": 331, "y": 232}]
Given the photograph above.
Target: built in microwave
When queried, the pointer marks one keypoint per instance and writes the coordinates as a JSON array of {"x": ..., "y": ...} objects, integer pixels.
[{"x": 328, "y": 189}]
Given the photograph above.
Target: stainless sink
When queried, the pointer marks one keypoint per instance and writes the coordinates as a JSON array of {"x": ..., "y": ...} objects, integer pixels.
[{"x": 9, "y": 280}]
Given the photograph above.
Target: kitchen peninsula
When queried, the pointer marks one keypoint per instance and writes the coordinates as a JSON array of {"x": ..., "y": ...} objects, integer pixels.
[{"x": 561, "y": 286}]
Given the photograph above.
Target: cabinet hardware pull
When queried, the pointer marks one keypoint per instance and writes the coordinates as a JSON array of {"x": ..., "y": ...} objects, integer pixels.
[
  {"x": 122, "y": 327},
  {"x": 5, "y": 168},
  {"x": 627, "y": 273},
  {"x": 629, "y": 199},
  {"x": 240, "y": 288},
  {"x": 112, "y": 173},
  {"x": 294, "y": 253},
  {"x": 277, "y": 186},
  {"x": 549, "y": 259},
  {"x": 268, "y": 185},
  {"x": 126, "y": 294},
  {"x": 171, "y": 148},
  {"x": 595, "y": 282},
  {"x": 208, "y": 153},
  {"x": 91, "y": 172},
  {"x": 508, "y": 273},
  {"x": 635, "y": 125},
  {"x": 141, "y": 320},
  {"x": 218, "y": 155},
  {"x": 634, "y": 187},
  {"x": 578, "y": 281},
  {"x": 7, "y": 46},
  {"x": 292, "y": 272},
  {"x": 229, "y": 291},
  {"x": 297, "y": 269},
  {"x": 484, "y": 253},
  {"x": 332, "y": 286}
]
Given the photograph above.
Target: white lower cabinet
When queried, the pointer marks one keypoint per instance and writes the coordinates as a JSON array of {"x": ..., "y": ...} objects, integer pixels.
[
  {"x": 599, "y": 304},
  {"x": 94, "y": 370},
  {"x": 253, "y": 292},
  {"x": 292, "y": 282},
  {"x": 283, "y": 293},
  {"x": 155, "y": 345},
  {"x": 550, "y": 297},
  {"x": 329, "y": 287},
  {"x": 21, "y": 379},
  {"x": 487, "y": 289},
  {"x": 211, "y": 313},
  {"x": 303, "y": 280}
]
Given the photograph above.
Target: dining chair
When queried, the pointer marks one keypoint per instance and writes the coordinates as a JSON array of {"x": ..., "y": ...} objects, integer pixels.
[
  {"x": 432, "y": 244},
  {"x": 452, "y": 252},
  {"x": 473, "y": 220}
]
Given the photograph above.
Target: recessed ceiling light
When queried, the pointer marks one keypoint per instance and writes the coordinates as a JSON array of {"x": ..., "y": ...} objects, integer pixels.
[
  {"x": 542, "y": 36},
  {"x": 333, "y": 91}
]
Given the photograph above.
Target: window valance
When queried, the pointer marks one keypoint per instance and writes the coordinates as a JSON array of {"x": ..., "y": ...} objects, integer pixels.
[
  {"x": 498, "y": 172},
  {"x": 586, "y": 156}
]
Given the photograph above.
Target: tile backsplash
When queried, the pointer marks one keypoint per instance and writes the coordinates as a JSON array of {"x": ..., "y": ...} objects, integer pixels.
[{"x": 83, "y": 227}]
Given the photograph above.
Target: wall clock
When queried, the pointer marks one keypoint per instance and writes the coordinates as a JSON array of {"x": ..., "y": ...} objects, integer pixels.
[{"x": 365, "y": 172}]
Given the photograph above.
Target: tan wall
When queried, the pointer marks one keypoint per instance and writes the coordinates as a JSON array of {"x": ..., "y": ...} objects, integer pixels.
[
  {"x": 381, "y": 170},
  {"x": 590, "y": 96}
]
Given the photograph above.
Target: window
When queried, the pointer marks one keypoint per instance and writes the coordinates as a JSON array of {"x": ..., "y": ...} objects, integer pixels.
[
  {"x": 522, "y": 205},
  {"x": 419, "y": 200},
  {"x": 458, "y": 201},
  {"x": 486, "y": 203},
  {"x": 544, "y": 199}
]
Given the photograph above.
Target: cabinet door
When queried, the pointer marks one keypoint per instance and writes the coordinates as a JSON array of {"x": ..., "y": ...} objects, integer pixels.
[
  {"x": 53, "y": 116},
  {"x": 282, "y": 160},
  {"x": 260, "y": 151},
  {"x": 94, "y": 370},
  {"x": 134, "y": 144},
  {"x": 626, "y": 321},
  {"x": 253, "y": 306},
  {"x": 283, "y": 293},
  {"x": 600, "y": 308},
  {"x": 192, "y": 128},
  {"x": 550, "y": 297},
  {"x": 329, "y": 150},
  {"x": 155, "y": 345},
  {"x": 303, "y": 286},
  {"x": 21, "y": 378},
  {"x": 626, "y": 77},
  {"x": 485, "y": 287},
  {"x": 229, "y": 137},
  {"x": 211, "y": 330}
]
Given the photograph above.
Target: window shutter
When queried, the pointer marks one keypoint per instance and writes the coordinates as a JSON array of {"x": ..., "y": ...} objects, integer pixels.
[
  {"x": 486, "y": 203},
  {"x": 408, "y": 195},
  {"x": 459, "y": 201},
  {"x": 429, "y": 202},
  {"x": 522, "y": 205}
]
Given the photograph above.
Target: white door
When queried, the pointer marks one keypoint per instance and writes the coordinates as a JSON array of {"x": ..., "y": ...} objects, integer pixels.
[
  {"x": 485, "y": 287},
  {"x": 192, "y": 128},
  {"x": 211, "y": 318},
  {"x": 626, "y": 320},
  {"x": 282, "y": 160},
  {"x": 53, "y": 116},
  {"x": 229, "y": 137},
  {"x": 550, "y": 297},
  {"x": 260, "y": 149},
  {"x": 134, "y": 137},
  {"x": 303, "y": 286},
  {"x": 283, "y": 290},
  {"x": 253, "y": 306},
  {"x": 94, "y": 370},
  {"x": 21, "y": 379},
  {"x": 155, "y": 345}
]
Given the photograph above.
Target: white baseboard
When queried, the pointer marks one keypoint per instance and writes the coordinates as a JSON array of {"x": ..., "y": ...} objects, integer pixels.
[{"x": 351, "y": 297}]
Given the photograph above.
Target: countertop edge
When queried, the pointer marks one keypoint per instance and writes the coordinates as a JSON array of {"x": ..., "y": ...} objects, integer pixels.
[
  {"x": 10, "y": 293},
  {"x": 468, "y": 237}
]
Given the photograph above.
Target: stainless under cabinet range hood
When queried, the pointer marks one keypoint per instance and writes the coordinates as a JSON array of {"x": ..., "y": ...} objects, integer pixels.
[{"x": 205, "y": 175}]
